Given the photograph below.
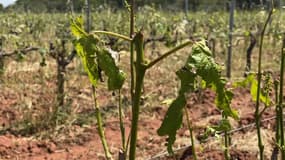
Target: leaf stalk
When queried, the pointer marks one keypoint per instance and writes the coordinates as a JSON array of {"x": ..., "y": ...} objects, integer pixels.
[
  {"x": 181, "y": 46},
  {"x": 113, "y": 35}
]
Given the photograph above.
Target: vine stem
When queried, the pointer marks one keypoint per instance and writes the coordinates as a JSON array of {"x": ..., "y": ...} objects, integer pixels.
[
  {"x": 280, "y": 104},
  {"x": 226, "y": 152},
  {"x": 257, "y": 114},
  {"x": 122, "y": 127},
  {"x": 140, "y": 73},
  {"x": 227, "y": 138},
  {"x": 100, "y": 129},
  {"x": 140, "y": 70},
  {"x": 190, "y": 128},
  {"x": 132, "y": 28},
  {"x": 137, "y": 77},
  {"x": 277, "y": 121},
  {"x": 133, "y": 135},
  {"x": 113, "y": 35},
  {"x": 100, "y": 125}
]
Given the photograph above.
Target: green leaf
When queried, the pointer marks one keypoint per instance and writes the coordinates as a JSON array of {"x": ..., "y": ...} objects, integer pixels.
[
  {"x": 86, "y": 48},
  {"x": 116, "y": 77},
  {"x": 200, "y": 64},
  {"x": 247, "y": 33},
  {"x": 172, "y": 121},
  {"x": 251, "y": 80},
  {"x": 245, "y": 82},
  {"x": 201, "y": 47},
  {"x": 224, "y": 125},
  {"x": 203, "y": 65},
  {"x": 94, "y": 55},
  {"x": 253, "y": 89},
  {"x": 265, "y": 99},
  {"x": 77, "y": 28},
  {"x": 167, "y": 101},
  {"x": 209, "y": 131}
]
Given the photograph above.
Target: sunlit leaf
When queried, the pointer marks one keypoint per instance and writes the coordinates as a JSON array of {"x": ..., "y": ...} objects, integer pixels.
[
  {"x": 94, "y": 55},
  {"x": 253, "y": 89},
  {"x": 77, "y": 28},
  {"x": 86, "y": 48},
  {"x": 167, "y": 101},
  {"x": 245, "y": 82},
  {"x": 252, "y": 82}
]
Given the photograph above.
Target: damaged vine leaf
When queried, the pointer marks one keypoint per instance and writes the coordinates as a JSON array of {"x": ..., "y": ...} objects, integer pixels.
[
  {"x": 94, "y": 55},
  {"x": 200, "y": 64},
  {"x": 264, "y": 94},
  {"x": 116, "y": 77},
  {"x": 216, "y": 130}
]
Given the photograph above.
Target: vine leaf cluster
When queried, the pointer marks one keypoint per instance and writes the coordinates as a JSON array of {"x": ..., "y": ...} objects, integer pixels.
[
  {"x": 89, "y": 47},
  {"x": 200, "y": 64}
]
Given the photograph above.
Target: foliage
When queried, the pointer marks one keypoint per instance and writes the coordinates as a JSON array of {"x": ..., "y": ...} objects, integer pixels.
[
  {"x": 1, "y": 7},
  {"x": 61, "y": 5},
  {"x": 94, "y": 55},
  {"x": 252, "y": 82},
  {"x": 199, "y": 64},
  {"x": 15, "y": 27}
]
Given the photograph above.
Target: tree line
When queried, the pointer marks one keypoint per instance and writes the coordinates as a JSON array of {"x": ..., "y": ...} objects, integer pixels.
[{"x": 78, "y": 5}]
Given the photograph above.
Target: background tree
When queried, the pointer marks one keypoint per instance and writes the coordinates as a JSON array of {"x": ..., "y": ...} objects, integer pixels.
[
  {"x": 1, "y": 7},
  {"x": 194, "y": 5}
]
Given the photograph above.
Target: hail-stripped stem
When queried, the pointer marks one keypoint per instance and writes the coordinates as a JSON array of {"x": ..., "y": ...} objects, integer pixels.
[{"x": 259, "y": 75}]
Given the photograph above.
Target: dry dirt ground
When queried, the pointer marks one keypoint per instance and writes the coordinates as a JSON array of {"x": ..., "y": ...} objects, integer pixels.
[{"x": 27, "y": 94}]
